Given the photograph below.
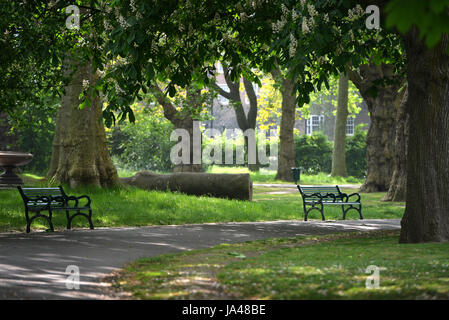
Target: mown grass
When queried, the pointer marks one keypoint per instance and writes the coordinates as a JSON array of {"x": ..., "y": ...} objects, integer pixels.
[
  {"x": 268, "y": 176},
  {"x": 127, "y": 206},
  {"x": 321, "y": 267}
]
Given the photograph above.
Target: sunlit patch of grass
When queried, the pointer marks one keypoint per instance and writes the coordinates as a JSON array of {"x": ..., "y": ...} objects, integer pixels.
[
  {"x": 320, "y": 267},
  {"x": 128, "y": 206},
  {"x": 268, "y": 176}
]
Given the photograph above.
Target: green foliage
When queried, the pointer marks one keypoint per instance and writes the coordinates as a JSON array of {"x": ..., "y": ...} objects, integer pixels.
[
  {"x": 143, "y": 145},
  {"x": 34, "y": 126},
  {"x": 356, "y": 152},
  {"x": 313, "y": 153},
  {"x": 430, "y": 17}
]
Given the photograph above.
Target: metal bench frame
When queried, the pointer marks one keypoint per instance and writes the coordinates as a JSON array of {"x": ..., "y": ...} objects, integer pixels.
[
  {"x": 319, "y": 196},
  {"x": 53, "y": 199}
]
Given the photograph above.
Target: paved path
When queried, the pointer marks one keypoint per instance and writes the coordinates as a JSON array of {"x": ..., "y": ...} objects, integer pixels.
[{"x": 32, "y": 266}]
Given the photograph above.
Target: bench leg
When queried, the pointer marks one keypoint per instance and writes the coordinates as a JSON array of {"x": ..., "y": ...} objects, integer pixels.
[
  {"x": 79, "y": 213},
  {"x": 69, "y": 221},
  {"x": 91, "y": 225},
  {"x": 38, "y": 215},
  {"x": 359, "y": 210},
  {"x": 49, "y": 220},
  {"x": 320, "y": 209},
  {"x": 27, "y": 217}
]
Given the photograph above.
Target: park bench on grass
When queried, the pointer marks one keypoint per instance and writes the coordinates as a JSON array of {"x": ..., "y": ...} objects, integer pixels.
[
  {"x": 319, "y": 196},
  {"x": 53, "y": 199}
]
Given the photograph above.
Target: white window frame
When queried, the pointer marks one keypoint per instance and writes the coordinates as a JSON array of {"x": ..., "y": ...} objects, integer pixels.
[
  {"x": 350, "y": 126},
  {"x": 314, "y": 124}
]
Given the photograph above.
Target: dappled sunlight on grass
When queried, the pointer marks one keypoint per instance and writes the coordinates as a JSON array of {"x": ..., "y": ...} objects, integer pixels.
[
  {"x": 128, "y": 206},
  {"x": 320, "y": 267},
  {"x": 268, "y": 176}
]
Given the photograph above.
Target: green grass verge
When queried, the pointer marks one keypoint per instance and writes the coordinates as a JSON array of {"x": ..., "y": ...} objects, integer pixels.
[
  {"x": 268, "y": 176},
  {"x": 322, "y": 267},
  {"x": 127, "y": 206}
]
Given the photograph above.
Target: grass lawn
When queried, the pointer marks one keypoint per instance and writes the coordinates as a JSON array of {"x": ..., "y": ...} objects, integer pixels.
[
  {"x": 267, "y": 176},
  {"x": 127, "y": 206},
  {"x": 322, "y": 267}
]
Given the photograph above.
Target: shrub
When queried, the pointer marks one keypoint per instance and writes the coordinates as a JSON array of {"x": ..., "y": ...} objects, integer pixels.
[
  {"x": 313, "y": 153},
  {"x": 143, "y": 145},
  {"x": 356, "y": 152}
]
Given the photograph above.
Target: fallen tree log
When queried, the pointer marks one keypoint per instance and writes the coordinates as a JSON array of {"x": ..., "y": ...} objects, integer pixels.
[{"x": 230, "y": 186}]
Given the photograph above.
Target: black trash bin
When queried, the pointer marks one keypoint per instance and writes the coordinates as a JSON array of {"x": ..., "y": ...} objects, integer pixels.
[{"x": 296, "y": 174}]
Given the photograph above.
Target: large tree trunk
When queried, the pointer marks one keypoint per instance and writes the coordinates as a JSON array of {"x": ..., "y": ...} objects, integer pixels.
[
  {"x": 80, "y": 155},
  {"x": 426, "y": 215},
  {"x": 398, "y": 184},
  {"x": 230, "y": 186},
  {"x": 338, "y": 154},
  {"x": 286, "y": 143},
  {"x": 381, "y": 133}
]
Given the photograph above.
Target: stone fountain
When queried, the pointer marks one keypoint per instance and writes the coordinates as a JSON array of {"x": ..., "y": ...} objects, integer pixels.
[{"x": 10, "y": 160}]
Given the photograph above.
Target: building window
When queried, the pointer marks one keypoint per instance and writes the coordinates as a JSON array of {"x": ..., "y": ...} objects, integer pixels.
[
  {"x": 222, "y": 100},
  {"x": 314, "y": 124},
  {"x": 350, "y": 126}
]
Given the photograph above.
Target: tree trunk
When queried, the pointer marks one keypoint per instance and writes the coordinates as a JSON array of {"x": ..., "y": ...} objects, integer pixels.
[
  {"x": 80, "y": 155},
  {"x": 381, "y": 133},
  {"x": 180, "y": 120},
  {"x": 426, "y": 215},
  {"x": 230, "y": 186},
  {"x": 244, "y": 121},
  {"x": 287, "y": 154},
  {"x": 398, "y": 184},
  {"x": 338, "y": 154}
]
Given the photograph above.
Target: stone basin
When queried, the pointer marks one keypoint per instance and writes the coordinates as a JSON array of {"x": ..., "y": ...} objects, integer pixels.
[
  {"x": 14, "y": 158},
  {"x": 10, "y": 160}
]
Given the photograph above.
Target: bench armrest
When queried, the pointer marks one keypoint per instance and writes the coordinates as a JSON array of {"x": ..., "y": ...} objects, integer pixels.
[
  {"x": 346, "y": 196},
  {"x": 76, "y": 199}
]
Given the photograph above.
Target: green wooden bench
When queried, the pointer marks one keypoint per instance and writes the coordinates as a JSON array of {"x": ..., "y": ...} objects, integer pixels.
[
  {"x": 37, "y": 200},
  {"x": 319, "y": 196}
]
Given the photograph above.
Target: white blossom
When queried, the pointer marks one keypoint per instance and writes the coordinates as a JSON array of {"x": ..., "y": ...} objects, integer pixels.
[
  {"x": 293, "y": 45},
  {"x": 295, "y": 15},
  {"x": 132, "y": 4},
  {"x": 118, "y": 89},
  {"x": 123, "y": 22},
  {"x": 284, "y": 10},
  {"x": 356, "y": 13},
  {"x": 107, "y": 25},
  {"x": 304, "y": 26},
  {"x": 312, "y": 10}
]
